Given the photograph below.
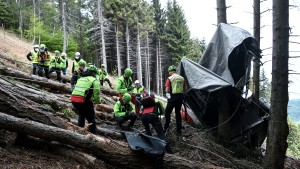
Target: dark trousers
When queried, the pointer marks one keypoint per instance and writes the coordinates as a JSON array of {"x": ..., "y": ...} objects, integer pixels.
[
  {"x": 86, "y": 111},
  {"x": 64, "y": 71},
  {"x": 153, "y": 119},
  {"x": 34, "y": 66},
  {"x": 41, "y": 70},
  {"x": 121, "y": 120},
  {"x": 107, "y": 80},
  {"x": 176, "y": 101},
  {"x": 58, "y": 74}
]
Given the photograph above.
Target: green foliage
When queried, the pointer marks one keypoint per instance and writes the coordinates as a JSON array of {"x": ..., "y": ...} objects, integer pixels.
[
  {"x": 68, "y": 113},
  {"x": 177, "y": 34},
  {"x": 197, "y": 49},
  {"x": 6, "y": 15},
  {"x": 294, "y": 110},
  {"x": 293, "y": 139},
  {"x": 264, "y": 86}
]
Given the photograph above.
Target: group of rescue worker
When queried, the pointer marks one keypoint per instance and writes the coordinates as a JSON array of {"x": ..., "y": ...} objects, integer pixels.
[
  {"x": 45, "y": 64},
  {"x": 134, "y": 102}
]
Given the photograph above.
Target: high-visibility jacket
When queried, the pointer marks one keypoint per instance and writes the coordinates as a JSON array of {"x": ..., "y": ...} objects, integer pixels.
[
  {"x": 151, "y": 105},
  {"x": 44, "y": 59},
  {"x": 123, "y": 84},
  {"x": 64, "y": 62},
  {"x": 102, "y": 74},
  {"x": 83, "y": 86},
  {"x": 138, "y": 90},
  {"x": 56, "y": 63},
  {"x": 75, "y": 65},
  {"x": 120, "y": 108},
  {"x": 34, "y": 55},
  {"x": 177, "y": 83}
]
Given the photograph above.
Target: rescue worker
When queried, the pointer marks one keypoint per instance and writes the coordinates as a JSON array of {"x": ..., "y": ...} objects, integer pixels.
[
  {"x": 175, "y": 85},
  {"x": 43, "y": 61},
  {"x": 124, "y": 83},
  {"x": 56, "y": 65},
  {"x": 103, "y": 75},
  {"x": 76, "y": 61},
  {"x": 64, "y": 63},
  {"x": 123, "y": 111},
  {"x": 33, "y": 56},
  {"x": 86, "y": 91},
  {"x": 152, "y": 108},
  {"x": 138, "y": 90},
  {"x": 78, "y": 73}
]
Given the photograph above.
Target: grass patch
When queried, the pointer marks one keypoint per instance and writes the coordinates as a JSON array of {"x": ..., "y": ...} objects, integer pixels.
[{"x": 68, "y": 113}]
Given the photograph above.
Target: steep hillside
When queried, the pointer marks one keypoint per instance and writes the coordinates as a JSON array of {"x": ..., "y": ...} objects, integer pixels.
[{"x": 31, "y": 99}]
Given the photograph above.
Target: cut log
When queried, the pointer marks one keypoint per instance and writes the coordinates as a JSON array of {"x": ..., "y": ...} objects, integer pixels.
[
  {"x": 105, "y": 108},
  {"x": 15, "y": 104},
  {"x": 110, "y": 151},
  {"x": 64, "y": 78},
  {"x": 104, "y": 116},
  {"x": 43, "y": 82}
]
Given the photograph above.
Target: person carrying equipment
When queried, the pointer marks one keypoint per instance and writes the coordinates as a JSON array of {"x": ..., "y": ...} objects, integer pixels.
[
  {"x": 43, "y": 61},
  {"x": 64, "y": 63},
  {"x": 33, "y": 56},
  {"x": 78, "y": 73},
  {"x": 56, "y": 65},
  {"x": 123, "y": 111},
  {"x": 86, "y": 91},
  {"x": 103, "y": 75},
  {"x": 175, "y": 85},
  {"x": 76, "y": 61}
]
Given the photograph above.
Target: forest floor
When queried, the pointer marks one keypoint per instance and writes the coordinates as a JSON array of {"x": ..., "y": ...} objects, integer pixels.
[{"x": 195, "y": 144}]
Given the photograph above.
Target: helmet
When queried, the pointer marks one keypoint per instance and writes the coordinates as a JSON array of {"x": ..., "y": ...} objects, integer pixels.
[
  {"x": 128, "y": 72},
  {"x": 56, "y": 52},
  {"x": 43, "y": 46},
  {"x": 127, "y": 97},
  {"x": 102, "y": 65},
  {"x": 92, "y": 68},
  {"x": 77, "y": 54},
  {"x": 81, "y": 62},
  {"x": 137, "y": 81},
  {"x": 172, "y": 68},
  {"x": 63, "y": 54},
  {"x": 35, "y": 46}
]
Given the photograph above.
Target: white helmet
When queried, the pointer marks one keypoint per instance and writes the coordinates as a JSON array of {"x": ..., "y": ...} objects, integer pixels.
[
  {"x": 77, "y": 54},
  {"x": 137, "y": 81},
  {"x": 36, "y": 46},
  {"x": 63, "y": 54}
]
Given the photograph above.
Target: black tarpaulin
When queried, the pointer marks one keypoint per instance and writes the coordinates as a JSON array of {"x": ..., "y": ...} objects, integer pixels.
[{"x": 225, "y": 65}]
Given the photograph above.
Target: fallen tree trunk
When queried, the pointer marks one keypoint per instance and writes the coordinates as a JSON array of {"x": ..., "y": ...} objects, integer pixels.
[
  {"x": 104, "y": 116},
  {"x": 64, "y": 78},
  {"x": 17, "y": 105},
  {"x": 111, "y": 151},
  {"x": 43, "y": 82},
  {"x": 105, "y": 108}
]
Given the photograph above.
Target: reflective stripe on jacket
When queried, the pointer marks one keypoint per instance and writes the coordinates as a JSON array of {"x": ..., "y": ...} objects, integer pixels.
[
  {"x": 83, "y": 86},
  {"x": 177, "y": 83}
]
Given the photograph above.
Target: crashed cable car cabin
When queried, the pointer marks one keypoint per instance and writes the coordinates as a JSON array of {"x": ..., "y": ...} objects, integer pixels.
[{"x": 221, "y": 76}]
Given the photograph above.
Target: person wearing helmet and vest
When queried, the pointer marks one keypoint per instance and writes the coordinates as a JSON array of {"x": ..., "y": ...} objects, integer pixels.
[
  {"x": 33, "y": 56},
  {"x": 43, "y": 61},
  {"x": 79, "y": 72},
  {"x": 138, "y": 90},
  {"x": 86, "y": 91},
  {"x": 56, "y": 65},
  {"x": 175, "y": 85},
  {"x": 76, "y": 61},
  {"x": 103, "y": 75},
  {"x": 64, "y": 63},
  {"x": 124, "y": 83},
  {"x": 124, "y": 111}
]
